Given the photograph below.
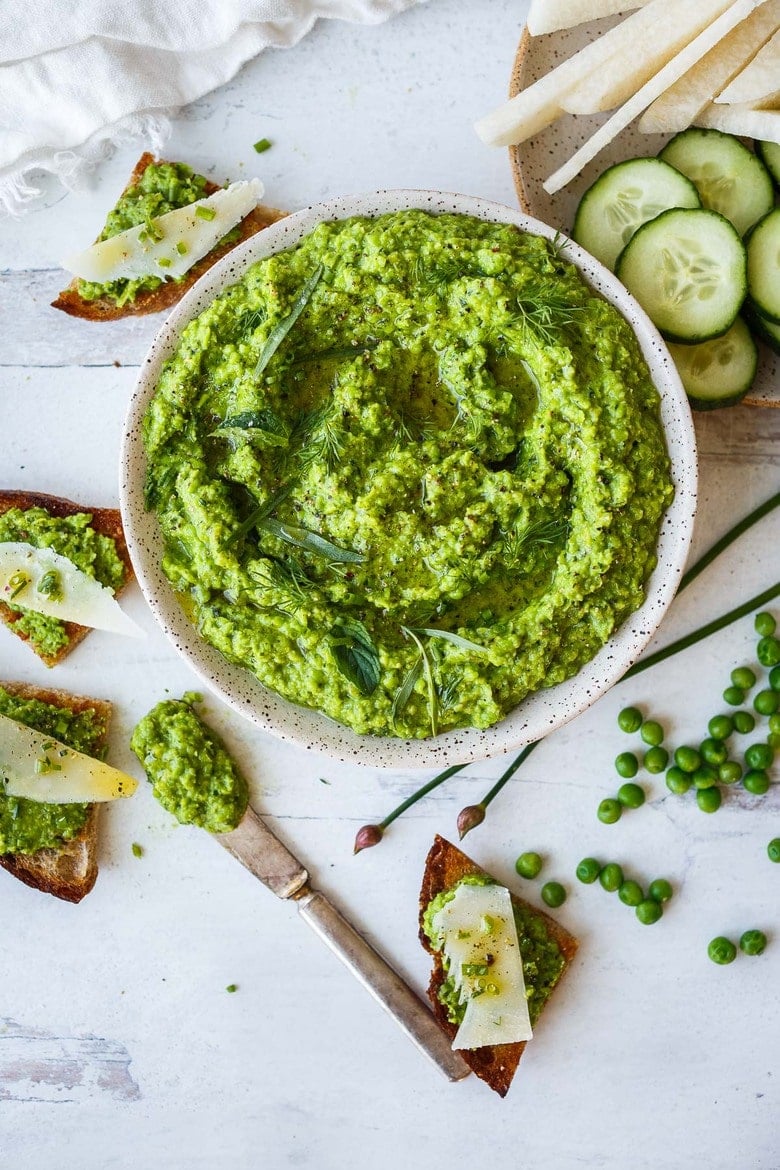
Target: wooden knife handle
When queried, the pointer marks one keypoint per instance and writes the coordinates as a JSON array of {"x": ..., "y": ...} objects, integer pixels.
[{"x": 386, "y": 986}]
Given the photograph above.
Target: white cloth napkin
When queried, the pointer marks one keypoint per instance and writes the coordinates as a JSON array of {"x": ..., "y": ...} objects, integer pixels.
[{"x": 79, "y": 76}]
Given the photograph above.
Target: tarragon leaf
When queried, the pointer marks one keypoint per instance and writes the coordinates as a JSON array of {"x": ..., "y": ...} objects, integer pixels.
[
  {"x": 404, "y": 692},
  {"x": 280, "y": 331},
  {"x": 433, "y": 695},
  {"x": 257, "y": 426},
  {"x": 310, "y": 541},
  {"x": 447, "y": 636},
  {"x": 356, "y": 655}
]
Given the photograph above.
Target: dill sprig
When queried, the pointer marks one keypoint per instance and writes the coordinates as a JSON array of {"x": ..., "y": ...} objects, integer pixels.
[
  {"x": 543, "y": 310},
  {"x": 318, "y": 436},
  {"x": 518, "y": 540}
]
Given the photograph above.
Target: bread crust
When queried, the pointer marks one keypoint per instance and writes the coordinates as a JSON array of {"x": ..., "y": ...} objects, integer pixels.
[
  {"x": 69, "y": 872},
  {"x": 444, "y": 866},
  {"x": 166, "y": 295},
  {"x": 106, "y": 521}
]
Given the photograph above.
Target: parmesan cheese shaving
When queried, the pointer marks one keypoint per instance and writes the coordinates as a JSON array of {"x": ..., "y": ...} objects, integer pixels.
[{"x": 37, "y": 767}]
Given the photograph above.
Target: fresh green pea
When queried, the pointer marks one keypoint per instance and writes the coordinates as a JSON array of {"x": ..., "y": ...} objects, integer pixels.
[
  {"x": 631, "y": 795},
  {"x": 764, "y": 624},
  {"x": 588, "y": 870},
  {"x": 629, "y": 719},
  {"x": 705, "y": 777},
  {"x": 768, "y": 651},
  {"x": 720, "y": 726},
  {"x": 609, "y": 811},
  {"x": 649, "y": 911},
  {"x": 660, "y": 890},
  {"x": 766, "y": 702},
  {"x": 730, "y": 772},
  {"x": 773, "y": 739},
  {"x": 743, "y": 677},
  {"x": 744, "y": 722},
  {"x": 753, "y": 942},
  {"x": 774, "y": 724},
  {"x": 708, "y": 799},
  {"x": 759, "y": 755},
  {"x": 626, "y": 765},
  {"x": 774, "y": 678},
  {"x": 529, "y": 865},
  {"x": 713, "y": 751},
  {"x": 687, "y": 758},
  {"x": 734, "y": 696},
  {"x": 652, "y": 733},
  {"x": 553, "y": 894},
  {"x": 678, "y": 781},
  {"x": 630, "y": 893},
  {"x": 773, "y": 849},
  {"x": 611, "y": 877},
  {"x": 722, "y": 950},
  {"x": 656, "y": 759},
  {"x": 756, "y": 781}
]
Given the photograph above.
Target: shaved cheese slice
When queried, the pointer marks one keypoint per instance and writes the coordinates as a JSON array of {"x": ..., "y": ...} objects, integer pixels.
[
  {"x": 670, "y": 73},
  {"x": 679, "y": 105},
  {"x": 42, "y": 580},
  {"x": 546, "y": 16},
  {"x": 37, "y": 767},
  {"x": 757, "y": 80},
  {"x": 483, "y": 953},
  {"x": 743, "y": 120},
  {"x": 186, "y": 235}
]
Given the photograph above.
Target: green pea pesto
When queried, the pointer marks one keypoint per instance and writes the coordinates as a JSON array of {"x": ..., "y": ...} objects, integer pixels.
[
  {"x": 189, "y": 769},
  {"x": 29, "y": 825},
  {"x": 410, "y": 423},
  {"x": 543, "y": 962},
  {"x": 161, "y": 188},
  {"x": 72, "y": 537}
]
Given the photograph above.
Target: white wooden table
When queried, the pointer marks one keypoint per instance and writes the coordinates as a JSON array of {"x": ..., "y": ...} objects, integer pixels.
[{"x": 119, "y": 1045}]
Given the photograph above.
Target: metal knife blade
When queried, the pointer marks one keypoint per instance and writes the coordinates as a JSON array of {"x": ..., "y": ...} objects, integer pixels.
[{"x": 264, "y": 855}]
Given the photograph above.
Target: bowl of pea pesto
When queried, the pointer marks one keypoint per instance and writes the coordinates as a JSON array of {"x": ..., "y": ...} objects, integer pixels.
[{"x": 409, "y": 479}]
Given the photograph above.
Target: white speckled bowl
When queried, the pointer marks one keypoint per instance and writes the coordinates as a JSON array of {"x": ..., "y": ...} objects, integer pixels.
[{"x": 539, "y": 713}]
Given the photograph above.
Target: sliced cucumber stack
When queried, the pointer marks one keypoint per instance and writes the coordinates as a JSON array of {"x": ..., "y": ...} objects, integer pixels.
[
  {"x": 720, "y": 372},
  {"x": 769, "y": 333},
  {"x": 769, "y": 153},
  {"x": 687, "y": 269},
  {"x": 763, "y": 266},
  {"x": 626, "y": 196},
  {"x": 729, "y": 177}
]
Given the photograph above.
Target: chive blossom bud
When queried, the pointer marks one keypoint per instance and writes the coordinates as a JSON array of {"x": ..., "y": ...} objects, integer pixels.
[
  {"x": 469, "y": 817},
  {"x": 366, "y": 837}
]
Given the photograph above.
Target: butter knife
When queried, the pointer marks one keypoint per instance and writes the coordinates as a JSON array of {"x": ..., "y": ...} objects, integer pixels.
[{"x": 264, "y": 855}]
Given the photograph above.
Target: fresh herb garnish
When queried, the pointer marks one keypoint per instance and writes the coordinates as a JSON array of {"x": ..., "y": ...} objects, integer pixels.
[
  {"x": 319, "y": 435},
  {"x": 136, "y": 849},
  {"x": 264, "y": 427},
  {"x": 310, "y": 541},
  {"x": 404, "y": 692},
  {"x": 249, "y": 321},
  {"x": 16, "y": 583},
  {"x": 50, "y": 585},
  {"x": 262, "y": 511},
  {"x": 516, "y": 541},
  {"x": 280, "y": 331},
  {"x": 356, "y": 655},
  {"x": 158, "y": 486},
  {"x": 263, "y": 145},
  {"x": 447, "y": 636},
  {"x": 433, "y": 696},
  {"x": 543, "y": 310},
  {"x": 205, "y": 212}
]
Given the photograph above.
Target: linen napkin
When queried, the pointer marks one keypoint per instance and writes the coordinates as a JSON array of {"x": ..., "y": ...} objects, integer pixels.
[{"x": 77, "y": 77}]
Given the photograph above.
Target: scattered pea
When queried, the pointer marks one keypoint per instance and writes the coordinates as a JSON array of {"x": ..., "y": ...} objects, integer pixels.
[
  {"x": 678, "y": 781},
  {"x": 734, "y": 696},
  {"x": 708, "y": 799},
  {"x": 231, "y": 987},
  {"x": 588, "y": 870},
  {"x": 773, "y": 739},
  {"x": 652, "y": 733},
  {"x": 656, "y": 759},
  {"x": 705, "y": 777},
  {"x": 773, "y": 849},
  {"x": 730, "y": 772},
  {"x": 553, "y": 894},
  {"x": 630, "y": 893},
  {"x": 764, "y": 624},
  {"x": 631, "y": 795},
  {"x": 722, "y": 950},
  {"x": 649, "y": 911},
  {"x": 743, "y": 677},
  {"x": 768, "y": 651},
  {"x": 687, "y": 758},
  {"x": 611, "y": 877},
  {"x": 660, "y": 890},
  {"x": 759, "y": 755},
  {"x": 744, "y": 722},
  {"x": 774, "y": 724},
  {"x": 774, "y": 678},
  {"x": 713, "y": 751},
  {"x": 753, "y": 942},
  {"x": 626, "y": 765},
  {"x": 766, "y": 702},
  {"x": 756, "y": 781},
  {"x": 629, "y": 719},
  {"x": 609, "y": 811},
  {"x": 720, "y": 726},
  {"x": 529, "y": 865}
]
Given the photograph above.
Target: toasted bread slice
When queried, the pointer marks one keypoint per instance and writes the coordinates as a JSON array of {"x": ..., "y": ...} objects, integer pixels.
[
  {"x": 69, "y": 872},
  {"x": 444, "y": 866},
  {"x": 106, "y": 521},
  {"x": 167, "y": 294}
]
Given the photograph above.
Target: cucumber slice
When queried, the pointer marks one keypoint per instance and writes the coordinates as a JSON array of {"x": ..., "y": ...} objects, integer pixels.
[
  {"x": 763, "y": 266},
  {"x": 687, "y": 269},
  {"x": 626, "y": 196},
  {"x": 720, "y": 372},
  {"x": 766, "y": 330},
  {"x": 729, "y": 177},
  {"x": 769, "y": 153}
]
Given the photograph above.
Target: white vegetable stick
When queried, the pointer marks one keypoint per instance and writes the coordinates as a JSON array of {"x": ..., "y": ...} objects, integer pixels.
[
  {"x": 743, "y": 120},
  {"x": 537, "y": 106},
  {"x": 677, "y": 108},
  {"x": 546, "y": 16},
  {"x": 626, "y": 73},
  {"x": 758, "y": 79},
  {"x": 649, "y": 92}
]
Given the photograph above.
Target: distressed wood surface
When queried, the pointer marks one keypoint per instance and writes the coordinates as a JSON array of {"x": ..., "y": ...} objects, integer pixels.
[{"x": 119, "y": 1044}]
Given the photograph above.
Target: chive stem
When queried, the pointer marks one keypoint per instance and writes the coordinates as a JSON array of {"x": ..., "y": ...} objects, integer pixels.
[
  {"x": 733, "y": 534},
  {"x": 426, "y": 788}
]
